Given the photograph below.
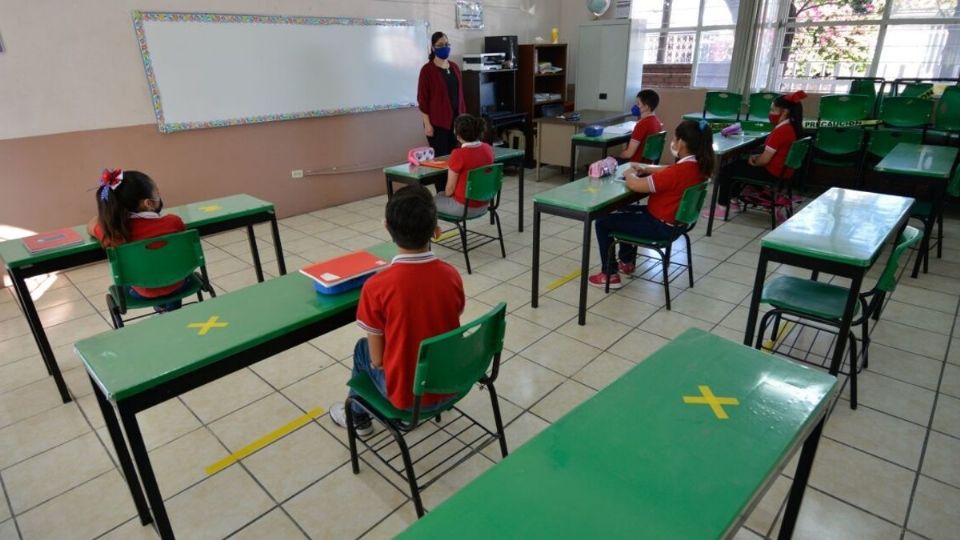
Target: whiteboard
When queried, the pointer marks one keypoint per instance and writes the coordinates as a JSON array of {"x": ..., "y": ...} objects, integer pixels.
[{"x": 211, "y": 70}]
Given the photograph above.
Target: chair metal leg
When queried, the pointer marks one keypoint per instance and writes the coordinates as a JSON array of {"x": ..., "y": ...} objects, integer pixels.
[
  {"x": 463, "y": 241},
  {"x": 497, "y": 419},
  {"x": 503, "y": 250},
  {"x": 940, "y": 235},
  {"x": 352, "y": 436},
  {"x": 776, "y": 327},
  {"x": 865, "y": 340},
  {"x": 115, "y": 315},
  {"x": 853, "y": 371},
  {"x": 408, "y": 466},
  {"x": 689, "y": 260},
  {"x": 206, "y": 282},
  {"x": 761, "y": 330},
  {"x": 665, "y": 260}
]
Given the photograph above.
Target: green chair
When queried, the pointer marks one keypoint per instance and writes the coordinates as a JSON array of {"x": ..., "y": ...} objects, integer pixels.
[
  {"x": 867, "y": 86},
  {"x": 722, "y": 106},
  {"x": 758, "y": 105},
  {"x": 824, "y": 303},
  {"x": 947, "y": 117},
  {"x": 844, "y": 109},
  {"x": 483, "y": 184},
  {"x": 916, "y": 90},
  {"x": 906, "y": 112},
  {"x": 838, "y": 147},
  {"x": 691, "y": 203},
  {"x": 155, "y": 262},
  {"x": 653, "y": 147},
  {"x": 782, "y": 189},
  {"x": 451, "y": 363}
]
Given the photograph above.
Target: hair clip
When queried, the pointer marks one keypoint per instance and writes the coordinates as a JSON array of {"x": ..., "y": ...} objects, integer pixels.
[
  {"x": 703, "y": 124},
  {"x": 796, "y": 96},
  {"x": 109, "y": 179}
]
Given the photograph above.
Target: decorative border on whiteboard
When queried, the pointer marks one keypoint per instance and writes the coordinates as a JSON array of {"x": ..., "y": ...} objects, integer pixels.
[{"x": 140, "y": 16}]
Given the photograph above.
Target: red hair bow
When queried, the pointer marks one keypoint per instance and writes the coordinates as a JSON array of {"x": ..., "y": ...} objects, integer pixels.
[
  {"x": 111, "y": 179},
  {"x": 796, "y": 97}
]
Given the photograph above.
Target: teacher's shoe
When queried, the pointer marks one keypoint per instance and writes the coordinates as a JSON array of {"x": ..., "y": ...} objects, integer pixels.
[{"x": 363, "y": 425}]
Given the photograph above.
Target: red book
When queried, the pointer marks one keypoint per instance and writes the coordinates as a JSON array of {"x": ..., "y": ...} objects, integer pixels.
[
  {"x": 52, "y": 240},
  {"x": 335, "y": 271},
  {"x": 436, "y": 163}
]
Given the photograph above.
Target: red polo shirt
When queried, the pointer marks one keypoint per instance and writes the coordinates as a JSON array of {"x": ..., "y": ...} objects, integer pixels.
[
  {"x": 417, "y": 297},
  {"x": 647, "y": 126},
  {"x": 463, "y": 160},
  {"x": 433, "y": 98},
  {"x": 667, "y": 188},
  {"x": 779, "y": 141},
  {"x": 145, "y": 225}
]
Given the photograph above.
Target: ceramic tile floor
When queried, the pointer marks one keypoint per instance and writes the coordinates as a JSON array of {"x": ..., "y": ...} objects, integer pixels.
[{"x": 887, "y": 470}]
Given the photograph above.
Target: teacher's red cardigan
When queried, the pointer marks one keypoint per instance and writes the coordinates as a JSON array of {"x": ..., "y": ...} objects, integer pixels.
[{"x": 433, "y": 98}]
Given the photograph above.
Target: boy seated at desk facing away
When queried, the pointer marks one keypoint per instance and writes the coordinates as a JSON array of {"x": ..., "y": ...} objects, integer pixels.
[
  {"x": 648, "y": 124},
  {"x": 418, "y": 296}
]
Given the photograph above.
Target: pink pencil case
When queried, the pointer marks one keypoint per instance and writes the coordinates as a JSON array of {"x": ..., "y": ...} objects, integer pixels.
[
  {"x": 421, "y": 153},
  {"x": 604, "y": 167}
]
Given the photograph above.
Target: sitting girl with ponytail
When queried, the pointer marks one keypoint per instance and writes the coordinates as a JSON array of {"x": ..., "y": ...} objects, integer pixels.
[
  {"x": 128, "y": 209},
  {"x": 692, "y": 147},
  {"x": 473, "y": 153}
]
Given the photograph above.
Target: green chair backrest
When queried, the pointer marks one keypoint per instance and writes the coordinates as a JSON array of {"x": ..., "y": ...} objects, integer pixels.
[
  {"x": 882, "y": 141},
  {"x": 906, "y": 112},
  {"x": 722, "y": 104},
  {"x": 691, "y": 204},
  {"x": 483, "y": 183},
  {"x": 798, "y": 153},
  {"x": 758, "y": 105},
  {"x": 156, "y": 262},
  {"x": 863, "y": 87},
  {"x": 453, "y": 362},
  {"x": 845, "y": 108},
  {"x": 917, "y": 90},
  {"x": 888, "y": 280},
  {"x": 839, "y": 141},
  {"x": 653, "y": 146},
  {"x": 948, "y": 110}
]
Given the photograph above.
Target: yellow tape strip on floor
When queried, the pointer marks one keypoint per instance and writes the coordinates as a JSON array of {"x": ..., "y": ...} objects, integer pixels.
[
  {"x": 264, "y": 441},
  {"x": 560, "y": 281},
  {"x": 771, "y": 345},
  {"x": 449, "y": 234}
]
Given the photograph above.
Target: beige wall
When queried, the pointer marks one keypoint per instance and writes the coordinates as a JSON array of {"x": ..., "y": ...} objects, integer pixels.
[{"x": 73, "y": 99}]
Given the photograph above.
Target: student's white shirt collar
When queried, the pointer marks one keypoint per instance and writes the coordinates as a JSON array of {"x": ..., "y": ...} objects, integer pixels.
[
  {"x": 473, "y": 144},
  {"x": 414, "y": 258},
  {"x": 691, "y": 157},
  {"x": 145, "y": 215},
  {"x": 782, "y": 123}
]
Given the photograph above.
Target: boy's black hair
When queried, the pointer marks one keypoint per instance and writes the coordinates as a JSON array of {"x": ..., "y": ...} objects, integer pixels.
[
  {"x": 698, "y": 137},
  {"x": 411, "y": 217},
  {"x": 114, "y": 206},
  {"x": 649, "y": 98},
  {"x": 794, "y": 113},
  {"x": 469, "y": 128}
]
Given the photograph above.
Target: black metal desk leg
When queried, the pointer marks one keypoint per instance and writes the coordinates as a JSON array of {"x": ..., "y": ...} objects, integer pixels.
[
  {"x": 573, "y": 161},
  {"x": 39, "y": 335},
  {"x": 277, "y": 246},
  {"x": 804, "y": 466},
  {"x": 535, "y": 267},
  {"x": 520, "y": 187},
  {"x": 713, "y": 206},
  {"x": 584, "y": 270},
  {"x": 389, "y": 186},
  {"x": 142, "y": 460},
  {"x": 755, "y": 299},
  {"x": 255, "y": 253},
  {"x": 853, "y": 298},
  {"x": 120, "y": 447}
]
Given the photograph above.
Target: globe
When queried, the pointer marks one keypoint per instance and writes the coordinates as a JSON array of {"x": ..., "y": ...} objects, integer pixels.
[{"x": 598, "y": 7}]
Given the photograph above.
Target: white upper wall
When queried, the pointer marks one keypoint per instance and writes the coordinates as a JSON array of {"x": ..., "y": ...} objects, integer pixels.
[
  {"x": 75, "y": 66},
  {"x": 573, "y": 13}
]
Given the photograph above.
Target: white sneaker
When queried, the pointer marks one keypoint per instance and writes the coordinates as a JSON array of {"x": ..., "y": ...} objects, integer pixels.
[{"x": 338, "y": 413}]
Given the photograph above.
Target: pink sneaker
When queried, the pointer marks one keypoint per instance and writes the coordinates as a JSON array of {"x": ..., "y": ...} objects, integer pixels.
[
  {"x": 720, "y": 212},
  {"x": 600, "y": 280},
  {"x": 781, "y": 214},
  {"x": 627, "y": 268}
]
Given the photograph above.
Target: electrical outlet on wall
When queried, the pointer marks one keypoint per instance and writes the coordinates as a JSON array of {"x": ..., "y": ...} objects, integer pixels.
[{"x": 296, "y": 174}]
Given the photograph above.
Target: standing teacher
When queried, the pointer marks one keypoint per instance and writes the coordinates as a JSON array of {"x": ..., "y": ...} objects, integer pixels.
[{"x": 440, "y": 98}]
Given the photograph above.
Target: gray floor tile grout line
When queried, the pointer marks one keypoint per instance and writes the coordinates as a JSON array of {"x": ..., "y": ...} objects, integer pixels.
[{"x": 9, "y": 503}]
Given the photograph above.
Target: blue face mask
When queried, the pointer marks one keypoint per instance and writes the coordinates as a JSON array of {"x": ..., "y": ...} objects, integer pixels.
[
  {"x": 635, "y": 110},
  {"x": 442, "y": 52}
]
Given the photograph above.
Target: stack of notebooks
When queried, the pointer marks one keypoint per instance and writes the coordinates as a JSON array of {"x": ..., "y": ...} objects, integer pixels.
[
  {"x": 47, "y": 241},
  {"x": 344, "y": 273}
]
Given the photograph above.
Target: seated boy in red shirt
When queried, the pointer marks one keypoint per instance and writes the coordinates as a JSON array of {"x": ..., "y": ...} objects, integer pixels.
[
  {"x": 417, "y": 297},
  {"x": 647, "y": 125}
]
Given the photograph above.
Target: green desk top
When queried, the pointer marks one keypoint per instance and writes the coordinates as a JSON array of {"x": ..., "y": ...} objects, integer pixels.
[
  {"x": 136, "y": 358},
  {"x": 15, "y": 254},
  {"x": 587, "y": 194},
  {"x": 722, "y": 145},
  {"x": 709, "y": 117},
  {"x": 842, "y": 225},
  {"x": 919, "y": 160},
  {"x": 604, "y": 137},
  {"x": 406, "y": 170},
  {"x": 636, "y": 461}
]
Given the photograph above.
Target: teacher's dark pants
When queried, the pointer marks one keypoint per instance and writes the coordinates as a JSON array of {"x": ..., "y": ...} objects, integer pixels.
[{"x": 443, "y": 142}]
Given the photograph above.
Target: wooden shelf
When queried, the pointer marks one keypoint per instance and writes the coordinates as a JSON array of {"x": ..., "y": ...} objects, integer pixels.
[
  {"x": 558, "y": 74},
  {"x": 547, "y": 102}
]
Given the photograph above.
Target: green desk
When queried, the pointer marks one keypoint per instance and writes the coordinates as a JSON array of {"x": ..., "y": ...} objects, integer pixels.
[
  {"x": 712, "y": 118},
  {"x": 582, "y": 200},
  {"x": 728, "y": 150},
  {"x": 636, "y": 461},
  {"x": 923, "y": 172},
  {"x": 208, "y": 217},
  {"x": 142, "y": 365},
  {"x": 408, "y": 174},
  {"x": 841, "y": 232},
  {"x": 603, "y": 142}
]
